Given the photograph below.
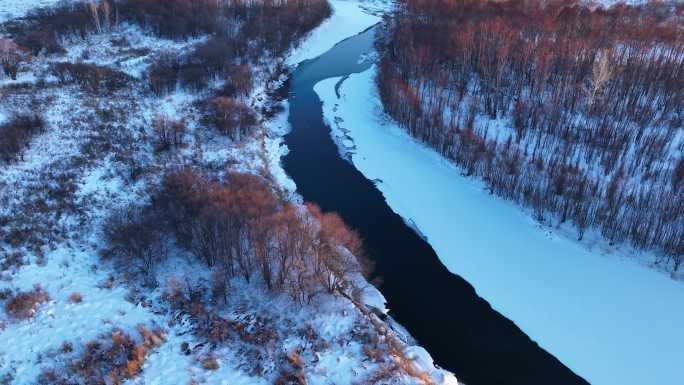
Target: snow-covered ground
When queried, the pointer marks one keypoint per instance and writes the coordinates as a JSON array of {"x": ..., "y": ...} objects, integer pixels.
[
  {"x": 610, "y": 3},
  {"x": 12, "y": 9},
  {"x": 604, "y": 315}
]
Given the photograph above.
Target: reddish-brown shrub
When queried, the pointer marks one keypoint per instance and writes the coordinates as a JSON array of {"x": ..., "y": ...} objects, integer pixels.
[
  {"x": 232, "y": 117},
  {"x": 287, "y": 19},
  {"x": 337, "y": 250},
  {"x": 172, "y": 18},
  {"x": 293, "y": 371},
  {"x": 163, "y": 74},
  {"x": 240, "y": 228},
  {"x": 238, "y": 82},
  {"x": 210, "y": 59},
  {"x": 67, "y": 347},
  {"x": 75, "y": 298},
  {"x": 42, "y": 27},
  {"x": 25, "y": 304},
  {"x": 14, "y": 259}
]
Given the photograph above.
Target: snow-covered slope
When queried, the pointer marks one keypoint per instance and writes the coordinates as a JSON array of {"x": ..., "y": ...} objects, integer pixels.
[
  {"x": 610, "y": 3},
  {"x": 12, "y": 9},
  {"x": 608, "y": 318}
]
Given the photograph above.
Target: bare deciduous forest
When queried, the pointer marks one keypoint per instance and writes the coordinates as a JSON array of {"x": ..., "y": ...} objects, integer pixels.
[
  {"x": 574, "y": 112},
  {"x": 239, "y": 227}
]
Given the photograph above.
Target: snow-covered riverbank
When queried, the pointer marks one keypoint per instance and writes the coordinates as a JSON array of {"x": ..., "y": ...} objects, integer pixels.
[
  {"x": 610, "y": 320},
  {"x": 348, "y": 19}
]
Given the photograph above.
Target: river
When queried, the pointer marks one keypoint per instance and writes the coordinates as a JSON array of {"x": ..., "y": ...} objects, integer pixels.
[{"x": 440, "y": 309}]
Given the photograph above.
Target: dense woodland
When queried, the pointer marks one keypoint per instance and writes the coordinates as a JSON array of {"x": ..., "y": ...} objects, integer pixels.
[{"x": 575, "y": 112}]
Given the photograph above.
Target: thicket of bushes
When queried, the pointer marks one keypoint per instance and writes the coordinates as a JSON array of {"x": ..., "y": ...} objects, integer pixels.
[
  {"x": 169, "y": 132},
  {"x": 239, "y": 227},
  {"x": 231, "y": 117},
  {"x": 210, "y": 60},
  {"x": 41, "y": 30},
  {"x": 92, "y": 77},
  {"x": 591, "y": 104},
  {"x": 16, "y": 133},
  {"x": 267, "y": 25},
  {"x": 241, "y": 33},
  {"x": 11, "y": 57}
]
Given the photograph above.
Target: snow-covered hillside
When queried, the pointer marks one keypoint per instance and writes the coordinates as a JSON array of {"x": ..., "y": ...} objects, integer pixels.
[{"x": 594, "y": 307}]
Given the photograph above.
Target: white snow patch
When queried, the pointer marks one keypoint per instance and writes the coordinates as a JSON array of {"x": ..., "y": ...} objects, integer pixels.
[
  {"x": 610, "y": 3},
  {"x": 348, "y": 19},
  {"x": 12, "y": 9},
  {"x": 422, "y": 362},
  {"x": 276, "y": 150}
]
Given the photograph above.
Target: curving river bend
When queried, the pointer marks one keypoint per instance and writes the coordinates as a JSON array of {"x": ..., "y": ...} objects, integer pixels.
[{"x": 441, "y": 310}]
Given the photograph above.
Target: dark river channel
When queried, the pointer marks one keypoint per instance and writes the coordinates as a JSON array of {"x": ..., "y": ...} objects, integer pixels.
[{"x": 440, "y": 309}]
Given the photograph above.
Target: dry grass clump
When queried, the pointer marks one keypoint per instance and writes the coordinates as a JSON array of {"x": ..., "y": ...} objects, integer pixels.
[
  {"x": 75, "y": 298},
  {"x": 109, "y": 360},
  {"x": 293, "y": 371},
  {"x": 67, "y": 347},
  {"x": 25, "y": 304},
  {"x": 210, "y": 363}
]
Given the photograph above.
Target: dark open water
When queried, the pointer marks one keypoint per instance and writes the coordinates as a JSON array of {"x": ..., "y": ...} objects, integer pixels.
[{"x": 440, "y": 309}]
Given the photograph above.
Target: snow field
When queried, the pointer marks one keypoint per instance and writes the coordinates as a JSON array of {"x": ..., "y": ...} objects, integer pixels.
[{"x": 12, "y": 9}]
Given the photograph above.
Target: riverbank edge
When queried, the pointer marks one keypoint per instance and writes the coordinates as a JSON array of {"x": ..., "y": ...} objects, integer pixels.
[{"x": 373, "y": 304}]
